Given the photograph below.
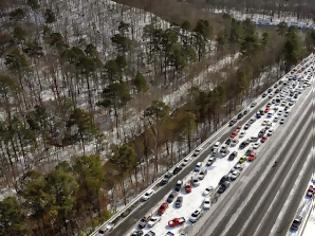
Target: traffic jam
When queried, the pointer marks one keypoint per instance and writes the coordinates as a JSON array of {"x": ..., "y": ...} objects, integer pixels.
[{"x": 192, "y": 196}]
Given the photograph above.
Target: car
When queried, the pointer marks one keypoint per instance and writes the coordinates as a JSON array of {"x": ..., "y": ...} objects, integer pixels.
[
  {"x": 223, "y": 187},
  {"x": 242, "y": 159},
  {"x": 245, "y": 112},
  {"x": 153, "y": 220},
  {"x": 177, "y": 169},
  {"x": 202, "y": 173},
  {"x": 169, "y": 233},
  {"x": 179, "y": 202},
  {"x": 188, "y": 187},
  {"x": 166, "y": 178},
  {"x": 170, "y": 198},
  {"x": 216, "y": 147},
  {"x": 142, "y": 222},
  {"x": 234, "y": 142},
  {"x": 255, "y": 145},
  {"x": 195, "y": 181},
  {"x": 150, "y": 233},
  {"x": 258, "y": 115},
  {"x": 108, "y": 228},
  {"x": 233, "y": 175},
  {"x": 224, "y": 150},
  {"x": 147, "y": 195},
  {"x": 246, "y": 126},
  {"x": 263, "y": 139},
  {"x": 264, "y": 95},
  {"x": 195, "y": 215},
  {"x": 197, "y": 152},
  {"x": 206, "y": 203},
  {"x": 269, "y": 132},
  {"x": 176, "y": 222},
  {"x": 178, "y": 185},
  {"x": 310, "y": 192},
  {"x": 210, "y": 161},
  {"x": 232, "y": 156},
  {"x": 228, "y": 141},
  {"x": 242, "y": 134},
  {"x": 207, "y": 191},
  {"x": 232, "y": 122},
  {"x": 243, "y": 145},
  {"x": 275, "y": 119},
  {"x": 185, "y": 161},
  {"x": 281, "y": 121},
  {"x": 252, "y": 121},
  {"x": 137, "y": 232},
  {"x": 233, "y": 134},
  {"x": 224, "y": 179},
  {"x": 296, "y": 223},
  {"x": 197, "y": 167},
  {"x": 239, "y": 116},
  {"x": 253, "y": 139},
  {"x": 253, "y": 104},
  {"x": 251, "y": 156},
  {"x": 162, "y": 208}
]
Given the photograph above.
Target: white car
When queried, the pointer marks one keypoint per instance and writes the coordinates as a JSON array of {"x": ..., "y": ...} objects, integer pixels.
[
  {"x": 195, "y": 215},
  {"x": 153, "y": 220},
  {"x": 207, "y": 191},
  {"x": 255, "y": 145},
  {"x": 147, "y": 195},
  {"x": 242, "y": 134},
  {"x": 206, "y": 203}
]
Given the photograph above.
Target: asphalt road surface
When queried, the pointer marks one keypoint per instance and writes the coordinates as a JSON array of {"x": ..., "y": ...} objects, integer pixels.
[
  {"x": 143, "y": 208},
  {"x": 253, "y": 203}
]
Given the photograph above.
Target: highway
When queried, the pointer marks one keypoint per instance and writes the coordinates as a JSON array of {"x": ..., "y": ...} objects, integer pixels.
[
  {"x": 252, "y": 205},
  {"x": 253, "y": 202},
  {"x": 140, "y": 211}
]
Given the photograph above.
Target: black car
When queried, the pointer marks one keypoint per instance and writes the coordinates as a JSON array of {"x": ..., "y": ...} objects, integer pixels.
[
  {"x": 179, "y": 202},
  {"x": 296, "y": 223},
  {"x": 170, "y": 198},
  {"x": 137, "y": 233},
  {"x": 239, "y": 116},
  {"x": 228, "y": 141},
  {"x": 243, "y": 144},
  {"x": 232, "y": 156},
  {"x": 224, "y": 179},
  {"x": 232, "y": 122},
  {"x": 177, "y": 170},
  {"x": 178, "y": 186}
]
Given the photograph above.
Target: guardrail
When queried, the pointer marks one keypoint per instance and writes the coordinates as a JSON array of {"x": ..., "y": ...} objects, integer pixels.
[{"x": 111, "y": 223}]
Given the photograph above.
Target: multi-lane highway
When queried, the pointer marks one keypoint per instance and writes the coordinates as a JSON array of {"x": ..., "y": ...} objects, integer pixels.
[{"x": 255, "y": 200}]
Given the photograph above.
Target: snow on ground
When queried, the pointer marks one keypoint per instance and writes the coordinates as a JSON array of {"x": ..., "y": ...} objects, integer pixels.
[
  {"x": 261, "y": 19},
  {"x": 222, "y": 166},
  {"x": 310, "y": 225}
]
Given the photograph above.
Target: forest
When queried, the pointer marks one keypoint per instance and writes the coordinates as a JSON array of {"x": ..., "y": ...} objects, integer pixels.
[{"x": 98, "y": 99}]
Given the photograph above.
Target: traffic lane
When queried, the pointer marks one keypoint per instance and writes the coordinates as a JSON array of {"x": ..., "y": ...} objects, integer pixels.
[
  {"x": 250, "y": 205},
  {"x": 292, "y": 169},
  {"x": 145, "y": 207},
  {"x": 257, "y": 195},
  {"x": 240, "y": 187},
  {"x": 294, "y": 204}
]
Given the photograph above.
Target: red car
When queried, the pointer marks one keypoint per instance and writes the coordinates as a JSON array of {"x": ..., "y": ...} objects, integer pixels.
[
  {"x": 176, "y": 221},
  {"x": 188, "y": 188},
  {"x": 263, "y": 139},
  {"x": 233, "y": 134},
  {"x": 163, "y": 208},
  {"x": 251, "y": 156},
  {"x": 267, "y": 109},
  {"x": 310, "y": 192}
]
